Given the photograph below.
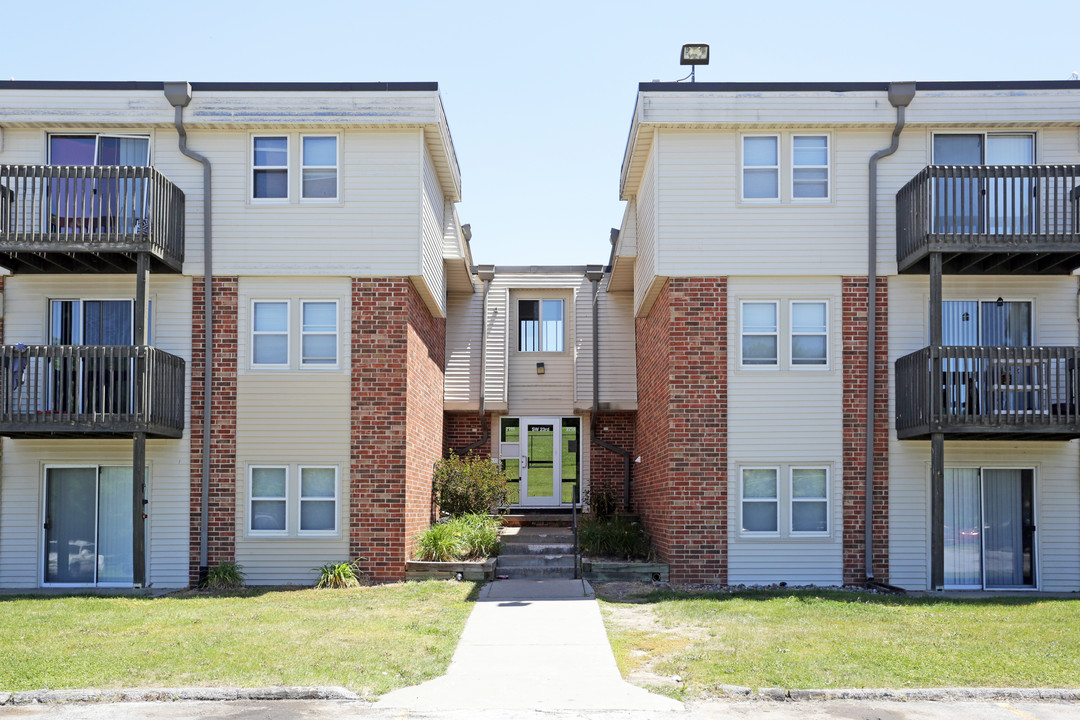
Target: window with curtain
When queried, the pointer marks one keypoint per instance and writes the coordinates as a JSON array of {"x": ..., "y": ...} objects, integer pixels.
[
  {"x": 810, "y": 167},
  {"x": 760, "y": 336},
  {"x": 760, "y": 500}
]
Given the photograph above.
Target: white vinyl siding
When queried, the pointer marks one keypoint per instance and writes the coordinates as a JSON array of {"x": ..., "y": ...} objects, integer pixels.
[
  {"x": 169, "y": 490},
  {"x": 432, "y": 209},
  {"x": 645, "y": 268},
  {"x": 464, "y": 326}
]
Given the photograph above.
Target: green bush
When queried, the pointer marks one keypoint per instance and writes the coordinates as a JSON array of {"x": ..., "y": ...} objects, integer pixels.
[
  {"x": 465, "y": 537},
  {"x": 341, "y": 575},
  {"x": 603, "y": 503},
  {"x": 225, "y": 576},
  {"x": 616, "y": 536},
  {"x": 469, "y": 484}
]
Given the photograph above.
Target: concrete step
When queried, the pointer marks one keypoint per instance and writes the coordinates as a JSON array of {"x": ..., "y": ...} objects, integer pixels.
[
  {"x": 519, "y": 547},
  {"x": 535, "y": 561},
  {"x": 537, "y": 534},
  {"x": 536, "y": 573}
]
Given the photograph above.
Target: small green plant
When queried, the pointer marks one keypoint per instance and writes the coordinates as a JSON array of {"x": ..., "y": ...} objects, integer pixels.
[
  {"x": 470, "y": 484},
  {"x": 225, "y": 576},
  {"x": 465, "y": 537},
  {"x": 341, "y": 575},
  {"x": 603, "y": 503},
  {"x": 616, "y": 536}
]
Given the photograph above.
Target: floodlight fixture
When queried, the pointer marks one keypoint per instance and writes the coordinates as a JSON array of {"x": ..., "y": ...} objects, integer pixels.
[{"x": 694, "y": 54}]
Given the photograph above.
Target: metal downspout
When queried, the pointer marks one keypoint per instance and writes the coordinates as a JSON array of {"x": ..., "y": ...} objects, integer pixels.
[
  {"x": 179, "y": 95},
  {"x": 900, "y": 95},
  {"x": 595, "y": 274},
  {"x": 486, "y": 273}
]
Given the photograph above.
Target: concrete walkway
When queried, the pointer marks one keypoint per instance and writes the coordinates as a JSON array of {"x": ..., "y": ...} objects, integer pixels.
[{"x": 531, "y": 645}]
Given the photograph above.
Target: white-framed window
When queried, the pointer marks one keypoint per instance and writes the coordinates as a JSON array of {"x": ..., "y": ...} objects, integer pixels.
[
  {"x": 270, "y": 167},
  {"x": 761, "y": 167},
  {"x": 760, "y": 500},
  {"x": 809, "y": 500},
  {"x": 319, "y": 167},
  {"x": 760, "y": 333},
  {"x": 318, "y": 500},
  {"x": 318, "y": 332},
  {"x": 810, "y": 167},
  {"x": 269, "y": 500},
  {"x": 541, "y": 325},
  {"x": 294, "y": 333},
  {"x": 270, "y": 333},
  {"x": 293, "y": 500},
  {"x": 809, "y": 333}
]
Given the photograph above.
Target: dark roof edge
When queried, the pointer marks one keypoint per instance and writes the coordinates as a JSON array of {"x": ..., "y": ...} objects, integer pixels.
[
  {"x": 539, "y": 269},
  {"x": 222, "y": 86},
  {"x": 856, "y": 86}
]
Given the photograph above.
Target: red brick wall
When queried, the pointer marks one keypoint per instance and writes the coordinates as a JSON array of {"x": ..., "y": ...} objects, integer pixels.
[
  {"x": 681, "y": 483},
  {"x": 606, "y": 468},
  {"x": 396, "y": 426},
  {"x": 221, "y": 543},
  {"x": 461, "y": 429},
  {"x": 855, "y": 360}
]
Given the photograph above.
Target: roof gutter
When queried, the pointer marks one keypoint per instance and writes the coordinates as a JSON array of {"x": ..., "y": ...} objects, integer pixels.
[
  {"x": 179, "y": 96},
  {"x": 595, "y": 273},
  {"x": 900, "y": 96}
]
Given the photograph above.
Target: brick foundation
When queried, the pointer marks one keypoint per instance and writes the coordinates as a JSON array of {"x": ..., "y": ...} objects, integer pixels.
[
  {"x": 221, "y": 540},
  {"x": 855, "y": 365},
  {"x": 606, "y": 468},
  {"x": 397, "y": 421},
  {"x": 461, "y": 429},
  {"x": 680, "y": 485}
]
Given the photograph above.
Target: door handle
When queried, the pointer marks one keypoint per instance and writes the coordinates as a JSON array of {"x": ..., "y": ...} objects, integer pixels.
[{"x": 48, "y": 522}]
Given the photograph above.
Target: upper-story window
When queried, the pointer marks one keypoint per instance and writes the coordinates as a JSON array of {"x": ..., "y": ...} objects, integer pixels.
[
  {"x": 275, "y": 331},
  {"x": 804, "y": 158},
  {"x": 803, "y": 327},
  {"x": 761, "y": 167},
  {"x": 273, "y": 163},
  {"x": 540, "y": 326},
  {"x": 270, "y": 168}
]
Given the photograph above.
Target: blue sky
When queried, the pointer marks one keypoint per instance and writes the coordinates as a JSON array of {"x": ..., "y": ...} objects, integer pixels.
[{"x": 538, "y": 95}]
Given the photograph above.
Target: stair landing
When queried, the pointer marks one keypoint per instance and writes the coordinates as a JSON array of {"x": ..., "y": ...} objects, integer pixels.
[{"x": 536, "y": 552}]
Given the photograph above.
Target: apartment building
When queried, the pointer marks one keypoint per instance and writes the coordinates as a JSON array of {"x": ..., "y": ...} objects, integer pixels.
[
  {"x": 768, "y": 227},
  {"x": 788, "y": 252},
  {"x": 323, "y": 216}
]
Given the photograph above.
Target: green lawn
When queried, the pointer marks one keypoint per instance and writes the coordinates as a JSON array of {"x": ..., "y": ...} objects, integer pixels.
[
  {"x": 833, "y": 640},
  {"x": 370, "y": 639}
]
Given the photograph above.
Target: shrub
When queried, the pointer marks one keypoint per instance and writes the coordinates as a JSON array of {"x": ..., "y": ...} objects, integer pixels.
[
  {"x": 341, "y": 575},
  {"x": 603, "y": 503},
  {"x": 469, "y": 484},
  {"x": 465, "y": 537},
  {"x": 616, "y": 536},
  {"x": 225, "y": 576}
]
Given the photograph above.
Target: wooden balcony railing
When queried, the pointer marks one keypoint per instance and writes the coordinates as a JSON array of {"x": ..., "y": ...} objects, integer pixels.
[
  {"x": 90, "y": 391},
  {"x": 989, "y": 393},
  {"x": 991, "y": 219},
  {"x": 79, "y": 218}
]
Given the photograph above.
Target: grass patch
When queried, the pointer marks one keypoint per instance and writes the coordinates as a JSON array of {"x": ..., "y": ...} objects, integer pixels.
[
  {"x": 807, "y": 639},
  {"x": 371, "y": 640}
]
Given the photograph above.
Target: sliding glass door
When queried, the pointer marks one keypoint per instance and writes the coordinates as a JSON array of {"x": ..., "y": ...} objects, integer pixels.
[
  {"x": 981, "y": 204},
  {"x": 989, "y": 528},
  {"x": 88, "y": 538},
  {"x": 86, "y": 204}
]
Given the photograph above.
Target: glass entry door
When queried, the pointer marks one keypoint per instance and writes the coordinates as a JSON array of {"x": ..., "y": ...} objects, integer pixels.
[
  {"x": 88, "y": 539},
  {"x": 541, "y": 456},
  {"x": 989, "y": 528},
  {"x": 977, "y": 204},
  {"x": 102, "y": 204}
]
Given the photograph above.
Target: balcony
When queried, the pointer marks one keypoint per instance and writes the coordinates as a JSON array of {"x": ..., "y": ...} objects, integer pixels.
[
  {"x": 88, "y": 219},
  {"x": 988, "y": 393},
  {"x": 81, "y": 391},
  {"x": 990, "y": 219}
]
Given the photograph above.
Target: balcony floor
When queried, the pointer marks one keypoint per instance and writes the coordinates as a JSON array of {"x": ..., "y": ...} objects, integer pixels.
[
  {"x": 66, "y": 257},
  {"x": 973, "y": 431},
  {"x": 994, "y": 255}
]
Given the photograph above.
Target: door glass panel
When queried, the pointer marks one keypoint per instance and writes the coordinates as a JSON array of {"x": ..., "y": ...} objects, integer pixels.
[
  {"x": 1006, "y": 325},
  {"x": 571, "y": 472},
  {"x": 541, "y": 447},
  {"x": 957, "y": 201},
  {"x": 1008, "y": 528},
  {"x": 122, "y": 200},
  {"x": 70, "y": 514},
  {"x": 71, "y": 200},
  {"x": 1009, "y": 201},
  {"x": 114, "y": 552},
  {"x": 963, "y": 523}
]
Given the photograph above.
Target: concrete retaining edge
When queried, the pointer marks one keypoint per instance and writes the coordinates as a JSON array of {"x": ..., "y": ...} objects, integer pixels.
[
  {"x": 58, "y": 697},
  {"x": 737, "y": 692}
]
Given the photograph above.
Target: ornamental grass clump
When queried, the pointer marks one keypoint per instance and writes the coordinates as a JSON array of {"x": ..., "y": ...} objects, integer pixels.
[
  {"x": 472, "y": 536},
  {"x": 615, "y": 537},
  {"x": 225, "y": 576},
  {"x": 341, "y": 575}
]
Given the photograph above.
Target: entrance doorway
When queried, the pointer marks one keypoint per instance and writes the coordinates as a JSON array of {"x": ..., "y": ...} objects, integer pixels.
[
  {"x": 87, "y": 526},
  {"x": 542, "y": 458},
  {"x": 989, "y": 528}
]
